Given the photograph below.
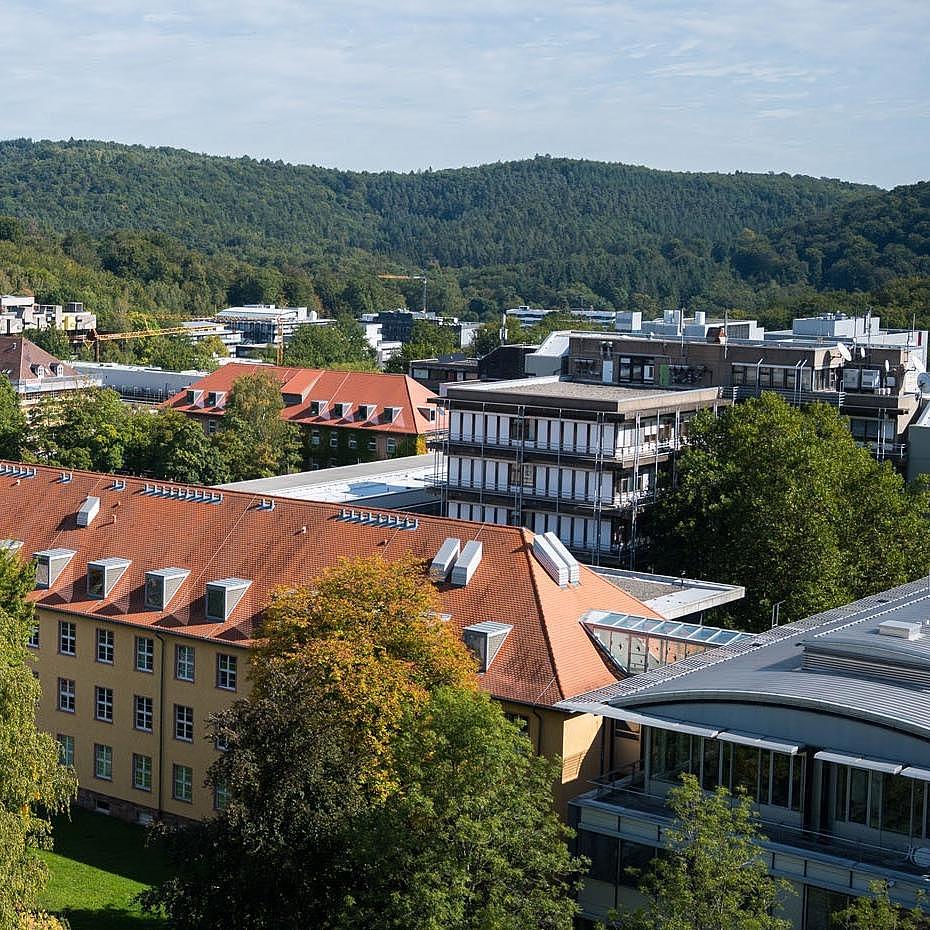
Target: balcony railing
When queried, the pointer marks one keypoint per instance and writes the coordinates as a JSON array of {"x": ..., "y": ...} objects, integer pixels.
[
  {"x": 619, "y": 499},
  {"x": 625, "y": 789},
  {"x": 646, "y": 449}
]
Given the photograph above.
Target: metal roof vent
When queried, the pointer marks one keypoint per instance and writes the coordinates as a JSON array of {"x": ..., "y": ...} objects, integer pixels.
[
  {"x": 88, "y": 511},
  {"x": 50, "y": 563},
  {"x": 551, "y": 560},
  {"x": 485, "y": 641},
  {"x": 444, "y": 559},
  {"x": 901, "y": 629},
  {"x": 467, "y": 563},
  {"x": 574, "y": 570},
  {"x": 103, "y": 574},
  {"x": 161, "y": 584},
  {"x": 223, "y": 597}
]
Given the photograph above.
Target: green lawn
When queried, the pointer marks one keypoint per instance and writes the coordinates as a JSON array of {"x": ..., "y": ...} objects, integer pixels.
[{"x": 98, "y": 865}]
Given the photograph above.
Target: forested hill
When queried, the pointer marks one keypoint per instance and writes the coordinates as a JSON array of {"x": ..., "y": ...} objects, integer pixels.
[{"x": 502, "y": 214}]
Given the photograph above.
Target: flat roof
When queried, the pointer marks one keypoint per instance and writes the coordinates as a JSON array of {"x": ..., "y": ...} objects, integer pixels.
[
  {"x": 553, "y": 391},
  {"x": 346, "y": 483},
  {"x": 768, "y": 670},
  {"x": 669, "y": 596}
]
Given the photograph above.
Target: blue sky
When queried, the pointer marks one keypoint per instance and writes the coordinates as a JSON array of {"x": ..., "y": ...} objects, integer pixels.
[{"x": 821, "y": 87}]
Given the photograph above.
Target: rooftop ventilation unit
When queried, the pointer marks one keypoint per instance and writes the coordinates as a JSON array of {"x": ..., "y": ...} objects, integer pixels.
[
  {"x": 10, "y": 545},
  {"x": 550, "y": 559},
  {"x": 50, "y": 563},
  {"x": 223, "y": 597},
  {"x": 485, "y": 641},
  {"x": 161, "y": 585},
  {"x": 103, "y": 574},
  {"x": 266, "y": 503},
  {"x": 88, "y": 511},
  {"x": 66, "y": 477},
  {"x": 444, "y": 559},
  {"x": 901, "y": 629},
  {"x": 467, "y": 563},
  {"x": 17, "y": 471},
  {"x": 574, "y": 570},
  {"x": 370, "y": 518},
  {"x": 118, "y": 485}
]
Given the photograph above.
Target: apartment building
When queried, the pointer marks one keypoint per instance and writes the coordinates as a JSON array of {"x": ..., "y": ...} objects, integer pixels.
[
  {"x": 577, "y": 459},
  {"x": 345, "y": 417},
  {"x": 35, "y": 374},
  {"x": 867, "y": 373},
  {"x": 22, "y": 314},
  {"x": 823, "y": 722},
  {"x": 149, "y": 597}
]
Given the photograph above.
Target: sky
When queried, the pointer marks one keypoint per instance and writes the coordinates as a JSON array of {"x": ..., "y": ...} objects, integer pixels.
[{"x": 821, "y": 87}]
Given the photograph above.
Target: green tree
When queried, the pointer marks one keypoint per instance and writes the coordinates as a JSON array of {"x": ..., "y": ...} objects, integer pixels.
[
  {"x": 54, "y": 341},
  {"x": 877, "y": 912},
  {"x": 712, "y": 874},
  {"x": 173, "y": 447},
  {"x": 365, "y": 720},
  {"x": 83, "y": 429},
  {"x": 341, "y": 344},
  {"x": 254, "y": 440},
  {"x": 782, "y": 501},
  {"x": 12, "y": 422},
  {"x": 33, "y": 783}
]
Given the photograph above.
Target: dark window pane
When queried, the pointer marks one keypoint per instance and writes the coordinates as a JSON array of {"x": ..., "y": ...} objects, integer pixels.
[
  {"x": 711, "y": 771},
  {"x": 840, "y": 776},
  {"x": 746, "y": 769},
  {"x": 781, "y": 766},
  {"x": 896, "y": 804},
  {"x": 858, "y": 795},
  {"x": 604, "y": 853}
]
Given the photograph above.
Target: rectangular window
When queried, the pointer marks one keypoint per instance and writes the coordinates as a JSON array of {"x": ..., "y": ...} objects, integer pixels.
[
  {"x": 353, "y": 442},
  {"x": 142, "y": 772},
  {"x": 781, "y": 772},
  {"x": 184, "y": 663},
  {"x": 372, "y": 445},
  {"x": 710, "y": 773},
  {"x": 226, "y": 671},
  {"x": 184, "y": 723},
  {"x": 522, "y": 429},
  {"x": 858, "y": 795},
  {"x": 220, "y": 796},
  {"x": 67, "y": 638},
  {"x": 105, "y": 646},
  {"x": 145, "y": 654},
  {"x": 143, "y": 713},
  {"x": 33, "y": 642},
  {"x": 66, "y": 749},
  {"x": 671, "y": 755},
  {"x": 182, "y": 783},
  {"x": 103, "y": 704},
  {"x": 103, "y": 762},
  {"x": 66, "y": 695},
  {"x": 391, "y": 446},
  {"x": 333, "y": 440}
]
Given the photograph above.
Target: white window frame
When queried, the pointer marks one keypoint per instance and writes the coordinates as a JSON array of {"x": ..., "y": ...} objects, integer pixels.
[
  {"x": 103, "y": 762},
  {"x": 227, "y": 674},
  {"x": 148, "y": 652},
  {"x": 67, "y": 695},
  {"x": 67, "y": 638},
  {"x": 184, "y": 723},
  {"x": 65, "y": 749},
  {"x": 103, "y": 704},
  {"x": 143, "y": 708},
  {"x": 189, "y": 663},
  {"x": 141, "y": 766},
  {"x": 105, "y": 646},
  {"x": 182, "y": 776}
]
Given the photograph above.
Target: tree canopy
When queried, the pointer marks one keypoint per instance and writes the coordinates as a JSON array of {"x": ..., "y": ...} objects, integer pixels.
[
  {"x": 783, "y": 502},
  {"x": 33, "y": 783},
  {"x": 368, "y": 782},
  {"x": 711, "y": 875}
]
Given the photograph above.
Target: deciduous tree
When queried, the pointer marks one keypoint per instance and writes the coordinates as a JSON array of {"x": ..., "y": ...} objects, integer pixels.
[
  {"x": 875, "y": 911},
  {"x": 12, "y": 422},
  {"x": 33, "y": 783}
]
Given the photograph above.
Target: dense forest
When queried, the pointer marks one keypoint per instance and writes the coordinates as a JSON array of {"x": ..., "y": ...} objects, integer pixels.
[{"x": 160, "y": 234}]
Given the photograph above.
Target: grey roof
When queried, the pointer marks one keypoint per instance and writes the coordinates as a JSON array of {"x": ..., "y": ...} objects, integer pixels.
[
  {"x": 767, "y": 670},
  {"x": 641, "y": 589}
]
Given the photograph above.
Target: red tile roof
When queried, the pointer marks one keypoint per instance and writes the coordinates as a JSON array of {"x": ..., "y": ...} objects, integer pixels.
[
  {"x": 20, "y": 359},
  {"x": 546, "y": 658},
  {"x": 305, "y": 385}
]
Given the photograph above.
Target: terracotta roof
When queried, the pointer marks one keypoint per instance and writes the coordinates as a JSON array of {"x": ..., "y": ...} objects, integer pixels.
[
  {"x": 546, "y": 658},
  {"x": 302, "y": 386},
  {"x": 20, "y": 359}
]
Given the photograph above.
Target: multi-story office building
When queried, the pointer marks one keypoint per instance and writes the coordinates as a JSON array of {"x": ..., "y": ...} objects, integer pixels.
[
  {"x": 149, "y": 595},
  {"x": 22, "y": 314},
  {"x": 345, "y": 417},
  {"x": 868, "y": 374},
  {"x": 549, "y": 454},
  {"x": 823, "y": 722},
  {"x": 397, "y": 325}
]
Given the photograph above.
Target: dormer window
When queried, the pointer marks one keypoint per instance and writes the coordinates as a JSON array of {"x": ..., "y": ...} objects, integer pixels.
[
  {"x": 59, "y": 370},
  {"x": 343, "y": 409},
  {"x": 222, "y": 597},
  {"x": 50, "y": 563},
  {"x": 485, "y": 641},
  {"x": 318, "y": 408},
  {"x": 367, "y": 411},
  {"x": 391, "y": 413},
  {"x": 194, "y": 397},
  {"x": 161, "y": 585},
  {"x": 103, "y": 574},
  {"x": 216, "y": 399}
]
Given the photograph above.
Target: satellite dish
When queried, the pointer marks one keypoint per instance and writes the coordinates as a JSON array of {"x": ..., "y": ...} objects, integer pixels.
[
  {"x": 923, "y": 384},
  {"x": 844, "y": 351}
]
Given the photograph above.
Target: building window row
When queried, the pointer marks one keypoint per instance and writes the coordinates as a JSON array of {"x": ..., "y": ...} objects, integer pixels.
[{"x": 184, "y": 656}]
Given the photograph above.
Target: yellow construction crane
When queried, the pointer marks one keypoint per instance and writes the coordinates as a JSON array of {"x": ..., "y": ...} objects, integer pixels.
[
  {"x": 96, "y": 338},
  {"x": 407, "y": 277}
]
